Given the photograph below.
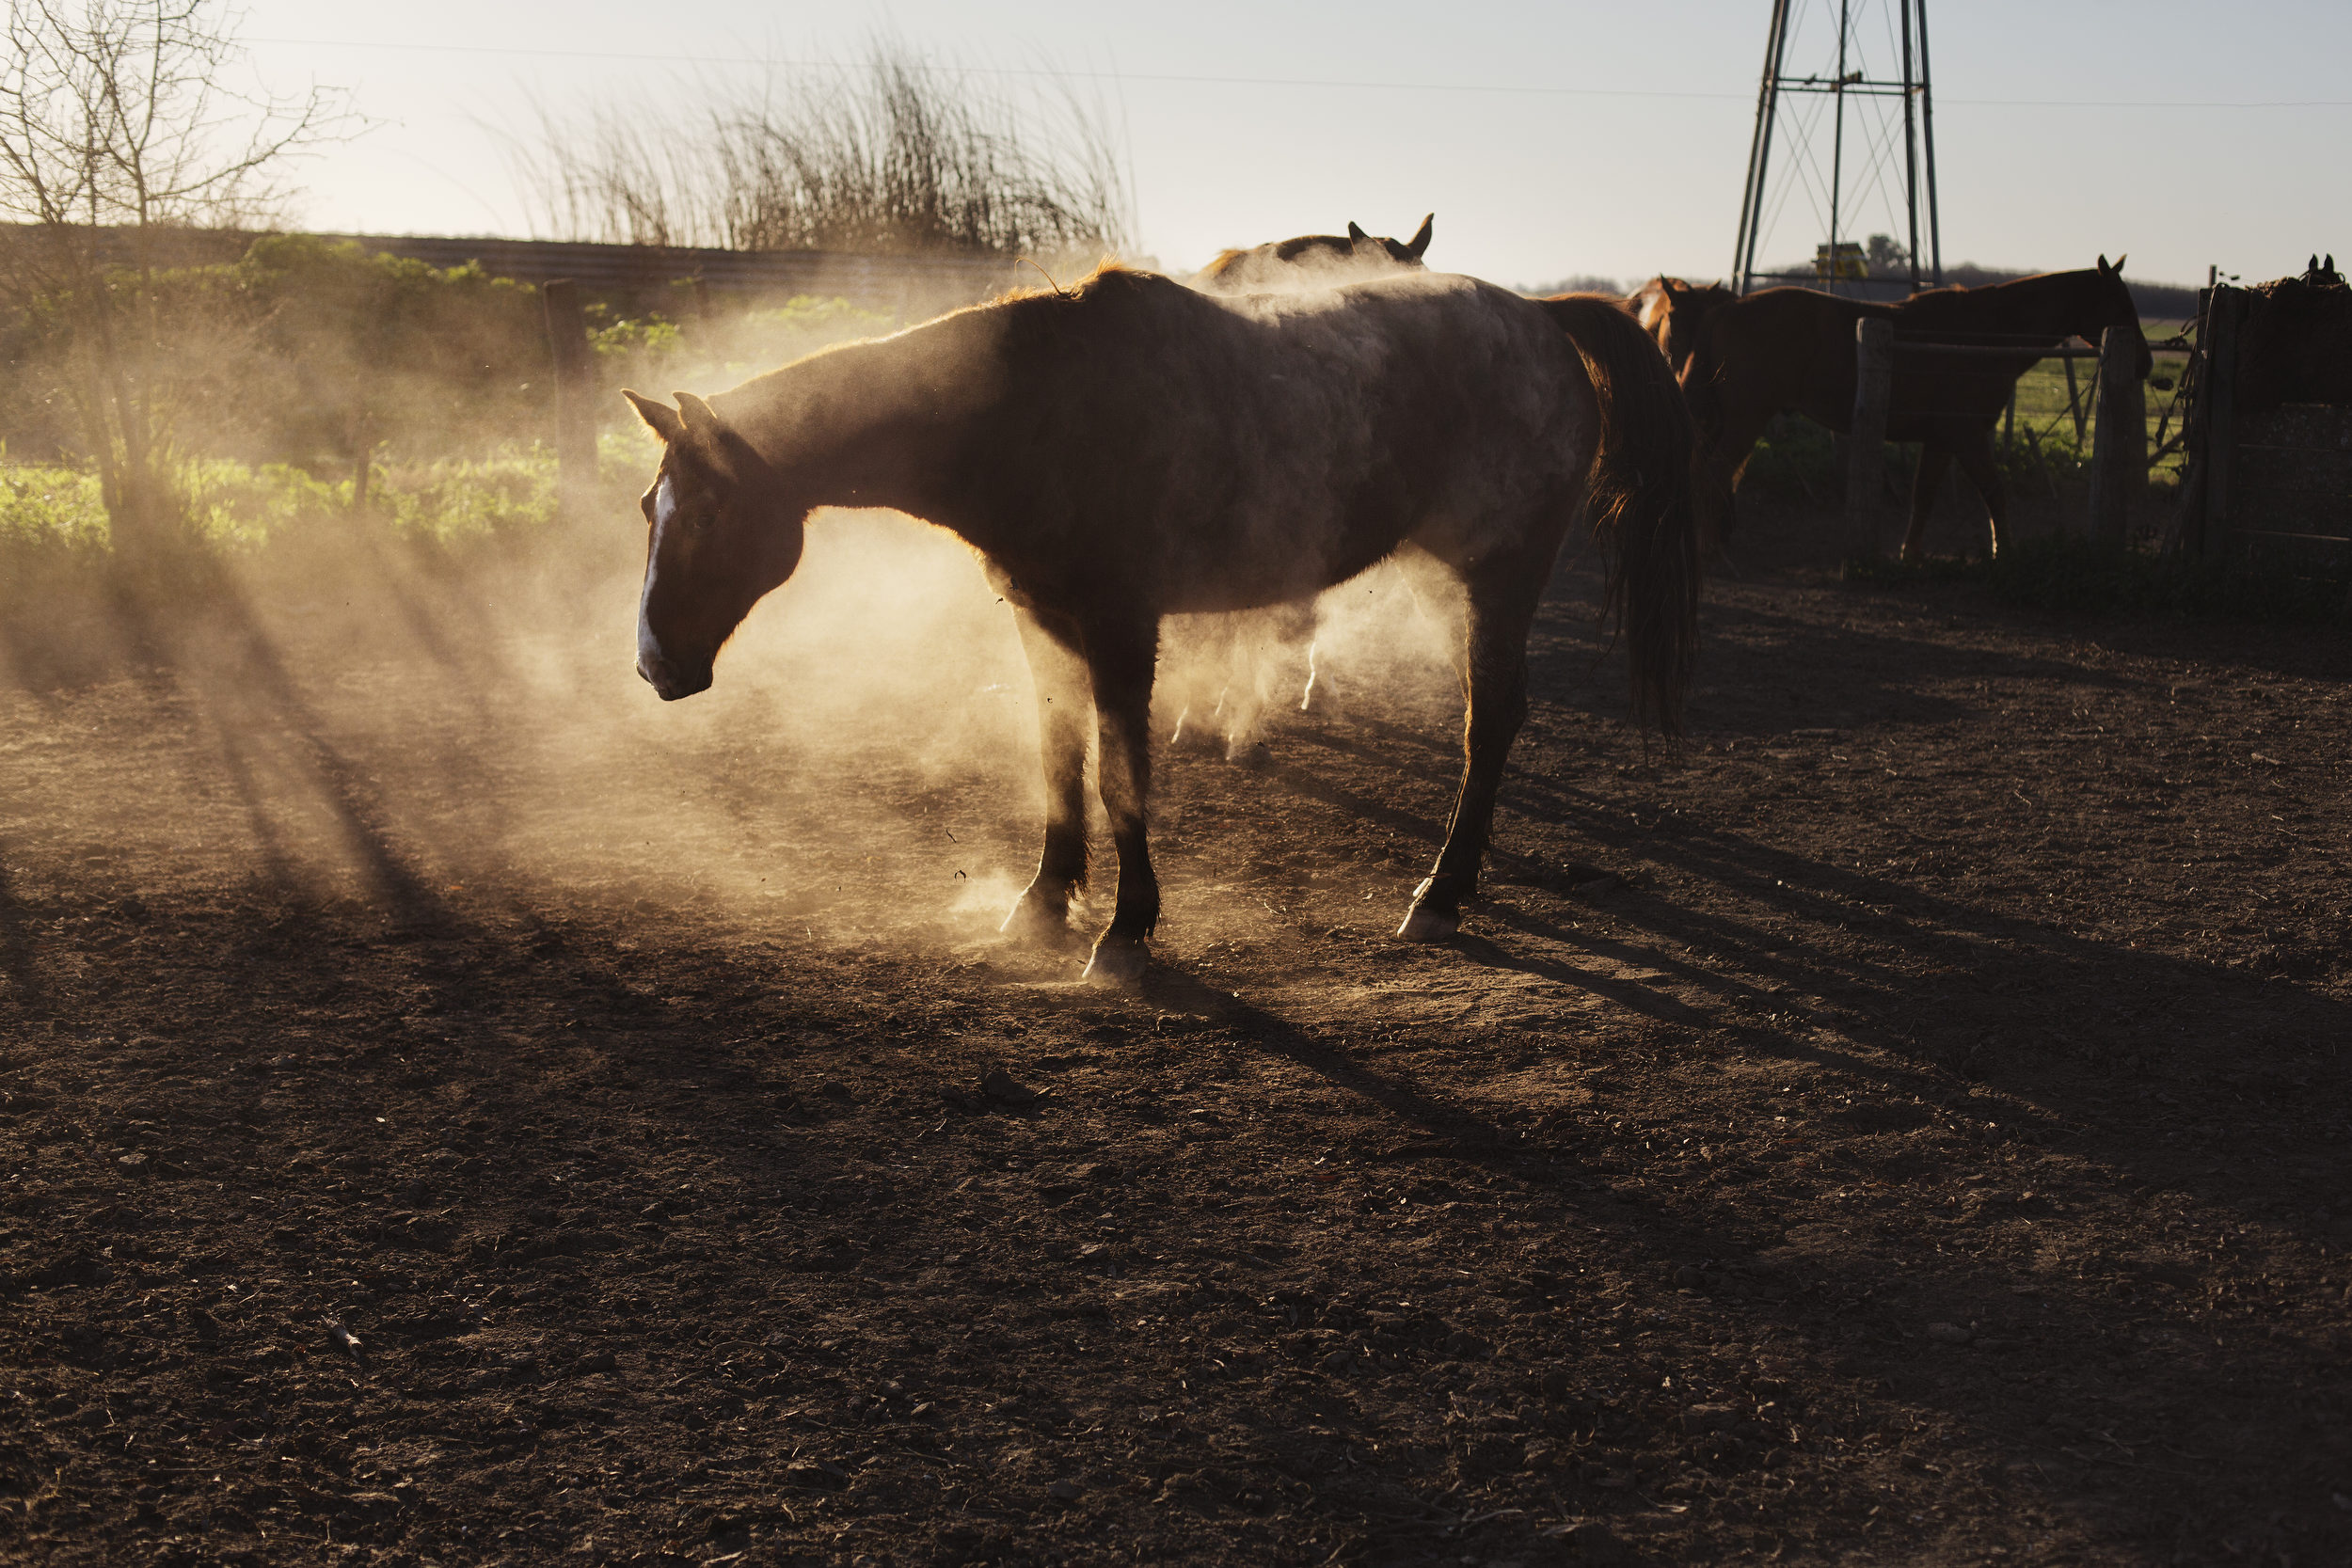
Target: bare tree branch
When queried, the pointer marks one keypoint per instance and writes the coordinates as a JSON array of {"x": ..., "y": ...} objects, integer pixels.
[{"x": 121, "y": 119}]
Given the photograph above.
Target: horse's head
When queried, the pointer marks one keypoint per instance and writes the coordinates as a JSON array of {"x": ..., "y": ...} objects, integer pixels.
[
  {"x": 723, "y": 533},
  {"x": 1406, "y": 254},
  {"x": 1672, "y": 313},
  {"x": 1313, "y": 261},
  {"x": 2111, "y": 304}
]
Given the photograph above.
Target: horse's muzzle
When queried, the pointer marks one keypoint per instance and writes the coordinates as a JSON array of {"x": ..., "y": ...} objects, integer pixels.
[{"x": 669, "y": 681}]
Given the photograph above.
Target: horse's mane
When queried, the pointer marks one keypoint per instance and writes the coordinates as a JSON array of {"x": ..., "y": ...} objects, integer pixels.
[
  {"x": 1223, "y": 261},
  {"x": 1340, "y": 246}
]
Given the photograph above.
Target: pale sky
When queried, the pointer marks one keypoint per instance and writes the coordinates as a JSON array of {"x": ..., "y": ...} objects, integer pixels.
[{"x": 1550, "y": 139}]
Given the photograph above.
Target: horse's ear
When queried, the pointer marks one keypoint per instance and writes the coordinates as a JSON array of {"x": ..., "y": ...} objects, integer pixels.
[
  {"x": 698, "y": 416},
  {"x": 2118, "y": 268},
  {"x": 1356, "y": 234},
  {"x": 1420, "y": 242},
  {"x": 660, "y": 416}
]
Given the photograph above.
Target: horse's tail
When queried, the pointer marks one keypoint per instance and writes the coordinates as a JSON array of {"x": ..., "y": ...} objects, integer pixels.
[{"x": 1638, "y": 495}]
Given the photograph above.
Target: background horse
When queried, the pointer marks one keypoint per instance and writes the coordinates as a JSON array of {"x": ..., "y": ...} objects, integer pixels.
[
  {"x": 1228, "y": 667},
  {"x": 1794, "y": 349},
  {"x": 1312, "y": 262},
  {"x": 1130, "y": 448},
  {"x": 1672, "y": 311}
]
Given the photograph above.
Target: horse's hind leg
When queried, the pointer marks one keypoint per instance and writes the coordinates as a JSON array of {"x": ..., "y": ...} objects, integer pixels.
[
  {"x": 1051, "y": 642},
  {"x": 1976, "y": 460},
  {"x": 1715, "y": 486},
  {"x": 1502, "y": 607},
  {"x": 1120, "y": 653},
  {"x": 1935, "y": 461}
]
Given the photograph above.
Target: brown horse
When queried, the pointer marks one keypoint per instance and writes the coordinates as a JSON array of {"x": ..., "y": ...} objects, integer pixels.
[
  {"x": 1312, "y": 262},
  {"x": 1233, "y": 662},
  {"x": 1794, "y": 349},
  {"x": 1672, "y": 311},
  {"x": 1129, "y": 449}
]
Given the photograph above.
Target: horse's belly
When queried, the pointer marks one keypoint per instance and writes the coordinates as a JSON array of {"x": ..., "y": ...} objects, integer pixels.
[{"x": 1272, "y": 554}]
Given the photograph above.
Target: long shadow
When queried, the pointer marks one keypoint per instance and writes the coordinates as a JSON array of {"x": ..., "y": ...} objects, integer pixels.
[
  {"x": 16, "y": 947},
  {"x": 706, "y": 1086}
]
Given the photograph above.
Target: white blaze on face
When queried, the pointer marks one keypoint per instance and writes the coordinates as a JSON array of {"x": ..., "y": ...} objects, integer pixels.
[{"x": 664, "y": 509}]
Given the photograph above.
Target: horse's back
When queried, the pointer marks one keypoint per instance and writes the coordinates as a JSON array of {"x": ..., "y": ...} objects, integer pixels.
[
  {"x": 1778, "y": 349},
  {"x": 1246, "y": 450}
]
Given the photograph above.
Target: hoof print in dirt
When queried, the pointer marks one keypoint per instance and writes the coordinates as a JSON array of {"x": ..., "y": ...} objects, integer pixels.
[
  {"x": 1592, "y": 1542},
  {"x": 1004, "y": 1089},
  {"x": 817, "y": 1475},
  {"x": 994, "y": 1090}
]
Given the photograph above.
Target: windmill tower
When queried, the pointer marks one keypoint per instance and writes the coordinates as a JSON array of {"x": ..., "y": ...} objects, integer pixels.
[{"x": 1845, "y": 148}]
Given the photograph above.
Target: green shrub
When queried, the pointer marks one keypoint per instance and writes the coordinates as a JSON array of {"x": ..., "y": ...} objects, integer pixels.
[
  {"x": 244, "y": 507},
  {"x": 48, "y": 507}
]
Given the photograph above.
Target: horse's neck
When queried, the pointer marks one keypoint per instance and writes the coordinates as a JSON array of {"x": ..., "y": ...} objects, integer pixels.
[
  {"x": 875, "y": 424},
  {"x": 2054, "y": 306}
]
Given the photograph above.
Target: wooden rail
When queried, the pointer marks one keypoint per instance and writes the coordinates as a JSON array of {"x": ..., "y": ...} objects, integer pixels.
[
  {"x": 2119, "y": 464},
  {"x": 1994, "y": 351}
]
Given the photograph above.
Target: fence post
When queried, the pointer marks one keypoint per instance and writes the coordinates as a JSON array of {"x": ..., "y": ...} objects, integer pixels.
[
  {"x": 2220, "y": 416},
  {"x": 572, "y": 385},
  {"x": 2119, "y": 443},
  {"x": 1865, "y": 452}
]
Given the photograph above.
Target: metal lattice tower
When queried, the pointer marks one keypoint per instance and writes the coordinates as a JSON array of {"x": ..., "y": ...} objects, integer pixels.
[{"x": 1881, "y": 134}]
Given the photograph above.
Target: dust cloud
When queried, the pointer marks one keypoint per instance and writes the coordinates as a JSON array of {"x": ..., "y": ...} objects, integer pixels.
[{"x": 361, "y": 725}]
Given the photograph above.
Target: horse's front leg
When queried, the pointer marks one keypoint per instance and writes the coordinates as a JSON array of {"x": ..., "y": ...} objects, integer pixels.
[
  {"x": 1120, "y": 653},
  {"x": 1063, "y": 700},
  {"x": 1502, "y": 607}
]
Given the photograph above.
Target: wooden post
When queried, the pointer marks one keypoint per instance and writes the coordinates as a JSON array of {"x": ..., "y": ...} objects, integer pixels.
[
  {"x": 2119, "y": 444},
  {"x": 572, "y": 384},
  {"x": 2223, "y": 317},
  {"x": 2074, "y": 399},
  {"x": 1865, "y": 452}
]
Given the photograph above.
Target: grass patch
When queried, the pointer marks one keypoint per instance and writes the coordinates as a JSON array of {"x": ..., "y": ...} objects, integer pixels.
[
  {"x": 52, "y": 509},
  {"x": 1796, "y": 460},
  {"x": 2073, "y": 575}
]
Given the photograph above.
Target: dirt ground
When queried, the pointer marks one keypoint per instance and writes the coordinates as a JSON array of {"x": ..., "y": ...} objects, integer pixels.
[{"x": 456, "y": 1110}]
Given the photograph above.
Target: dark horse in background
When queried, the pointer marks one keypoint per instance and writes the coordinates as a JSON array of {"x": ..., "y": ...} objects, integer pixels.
[
  {"x": 1129, "y": 449},
  {"x": 1783, "y": 350}
]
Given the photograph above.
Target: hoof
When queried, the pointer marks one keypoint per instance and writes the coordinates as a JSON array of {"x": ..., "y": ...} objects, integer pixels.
[
  {"x": 1032, "y": 921},
  {"x": 1116, "y": 963},
  {"x": 1255, "y": 755},
  {"x": 1425, "y": 924},
  {"x": 1422, "y": 925}
]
